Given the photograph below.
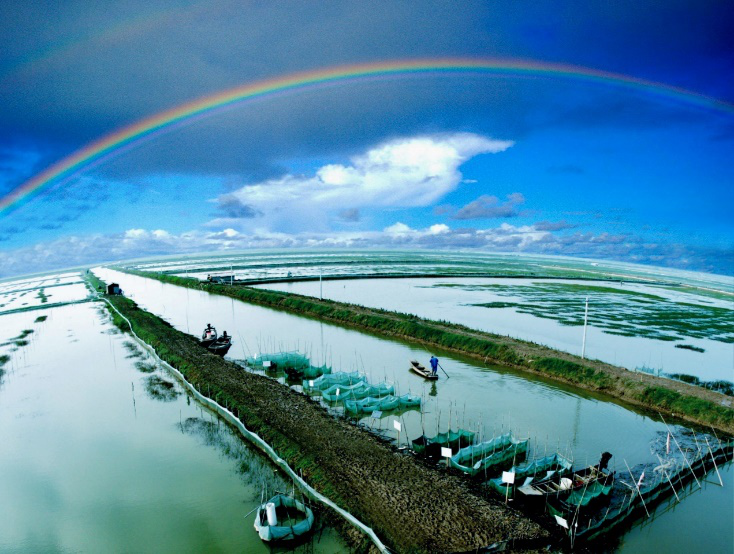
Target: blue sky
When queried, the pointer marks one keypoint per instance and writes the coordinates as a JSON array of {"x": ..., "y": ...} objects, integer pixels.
[{"x": 520, "y": 164}]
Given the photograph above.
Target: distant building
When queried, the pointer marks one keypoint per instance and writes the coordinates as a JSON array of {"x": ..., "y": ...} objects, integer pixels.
[{"x": 114, "y": 288}]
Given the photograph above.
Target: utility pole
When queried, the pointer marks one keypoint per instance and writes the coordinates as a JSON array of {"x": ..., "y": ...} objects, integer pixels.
[{"x": 586, "y": 318}]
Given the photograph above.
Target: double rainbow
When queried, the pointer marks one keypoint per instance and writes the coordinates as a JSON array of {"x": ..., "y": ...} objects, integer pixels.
[{"x": 128, "y": 137}]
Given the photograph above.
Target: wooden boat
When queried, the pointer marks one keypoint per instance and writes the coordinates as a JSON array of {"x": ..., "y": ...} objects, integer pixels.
[
  {"x": 560, "y": 486},
  {"x": 213, "y": 342},
  {"x": 221, "y": 345},
  {"x": 421, "y": 370},
  {"x": 208, "y": 336},
  {"x": 283, "y": 518}
]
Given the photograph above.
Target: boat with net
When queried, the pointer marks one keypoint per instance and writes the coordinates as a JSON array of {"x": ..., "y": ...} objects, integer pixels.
[
  {"x": 320, "y": 384},
  {"x": 560, "y": 486},
  {"x": 489, "y": 456},
  {"x": 455, "y": 440},
  {"x": 282, "y": 519},
  {"x": 371, "y": 404},
  {"x": 538, "y": 471}
]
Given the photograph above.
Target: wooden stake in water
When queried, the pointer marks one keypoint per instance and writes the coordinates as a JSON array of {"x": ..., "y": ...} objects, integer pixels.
[
  {"x": 714, "y": 460},
  {"x": 668, "y": 478},
  {"x": 685, "y": 458},
  {"x": 586, "y": 318},
  {"x": 638, "y": 488}
]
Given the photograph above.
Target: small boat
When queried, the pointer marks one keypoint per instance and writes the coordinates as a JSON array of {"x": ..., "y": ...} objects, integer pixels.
[
  {"x": 489, "y": 456},
  {"x": 455, "y": 440},
  {"x": 283, "y": 518},
  {"x": 371, "y": 404},
  {"x": 561, "y": 486},
  {"x": 208, "y": 336},
  {"x": 421, "y": 370},
  {"x": 213, "y": 342},
  {"x": 320, "y": 384},
  {"x": 221, "y": 345},
  {"x": 538, "y": 472}
]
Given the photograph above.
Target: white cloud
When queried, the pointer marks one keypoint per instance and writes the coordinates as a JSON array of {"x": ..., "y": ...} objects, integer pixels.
[
  {"x": 137, "y": 243},
  {"x": 402, "y": 173}
]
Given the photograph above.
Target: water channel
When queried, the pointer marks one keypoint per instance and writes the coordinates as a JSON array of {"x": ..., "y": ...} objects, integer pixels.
[{"x": 103, "y": 452}]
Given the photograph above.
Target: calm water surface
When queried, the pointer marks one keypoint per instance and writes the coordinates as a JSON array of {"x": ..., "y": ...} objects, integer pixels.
[
  {"x": 486, "y": 398},
  {"x": 92, "y": 460},
  {"x": 423, "y": 298}
]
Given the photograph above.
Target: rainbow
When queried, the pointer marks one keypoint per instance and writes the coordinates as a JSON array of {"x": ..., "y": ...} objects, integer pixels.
[{"x": 128, "y": 137}]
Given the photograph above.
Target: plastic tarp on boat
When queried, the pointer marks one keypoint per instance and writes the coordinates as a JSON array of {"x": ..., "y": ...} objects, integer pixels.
[
  {"x": 455, "y": 440},
  {"x": 490, "y": 455},
  {"x": 325, "y": 381},
  {"x": 371, "y": 404},
  {"x": 537, "y": 471},
  {"x": 583, "y": 496},
  {"x": 279, "y": 360},
  {"x": 409, "y": 400},
  {"x": 336, "y": 393}
]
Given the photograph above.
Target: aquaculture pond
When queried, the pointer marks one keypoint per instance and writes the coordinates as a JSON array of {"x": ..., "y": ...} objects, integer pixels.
[
  {"x": 488, "y": 399},
  {"x": 102, "y": 451},
  {"x": 268, "y": 264},
  {"x": 633, "y": 325}
]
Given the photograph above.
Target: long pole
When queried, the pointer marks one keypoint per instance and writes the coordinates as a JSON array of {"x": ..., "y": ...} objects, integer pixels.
[
  {"x": 586, "y": 318},
  {"x": 442, "y": 369},
  {"x": 714, "y": 460},
  {"x": 638, "y": 488},
  {"x": 685, "y": 458},
  {"x": 668, "y": 478},
  {"x": 321, "y": 286}
]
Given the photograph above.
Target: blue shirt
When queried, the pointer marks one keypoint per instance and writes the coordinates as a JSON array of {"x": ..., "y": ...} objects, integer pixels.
[{"x": 434, "y": 363}]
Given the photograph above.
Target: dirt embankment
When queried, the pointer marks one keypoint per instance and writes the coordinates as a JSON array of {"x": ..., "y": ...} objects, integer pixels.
[{"x": 413, "y": 507}]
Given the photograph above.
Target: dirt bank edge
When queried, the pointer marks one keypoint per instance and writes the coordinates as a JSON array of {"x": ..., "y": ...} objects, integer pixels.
[
  {"x": 415, "y": 508},
  {"x": 694, "y": 404}
]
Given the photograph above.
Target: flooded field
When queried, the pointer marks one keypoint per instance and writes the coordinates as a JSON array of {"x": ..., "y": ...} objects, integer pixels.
[
  {"x": 350, "y": 263},
  {"x": 487, "y": 399},
  {"x": 102, "y": 451},
  {"x": 630, "y": 324},
  {"x": 30, "y": 294}
]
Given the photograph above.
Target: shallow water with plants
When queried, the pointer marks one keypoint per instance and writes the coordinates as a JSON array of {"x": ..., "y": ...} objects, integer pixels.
[
  {"x": 488, "y": 399},
  {"x": 633, "y": 325},
  {"x": 103, "y": 451}
]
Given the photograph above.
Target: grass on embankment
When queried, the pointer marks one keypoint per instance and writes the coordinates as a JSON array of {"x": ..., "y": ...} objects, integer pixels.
[{"x": 646, "y": 391}]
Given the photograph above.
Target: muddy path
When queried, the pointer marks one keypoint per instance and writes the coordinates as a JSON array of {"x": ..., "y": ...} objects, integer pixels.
[{"x": 413, "y": 507}]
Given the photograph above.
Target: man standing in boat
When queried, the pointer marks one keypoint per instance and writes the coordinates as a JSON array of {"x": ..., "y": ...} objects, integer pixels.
[{"x": 434, "y": 365}]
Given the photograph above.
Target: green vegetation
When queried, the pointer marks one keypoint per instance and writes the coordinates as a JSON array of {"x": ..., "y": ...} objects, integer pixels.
[
  {"x": 41, "y": 318},
  {"x": 145, "y": 367},
  {"x": 42, "y": 296},
  {"x": 690, "y": 347},
  {"x": 133, "y": 350},
  {"x": 618, "y": 311},
  {"x": 4, "y": 359},
  {"x": 646, "y": 391},
  {"x": 20, "y": 340},
  {"x": 574, "y": 373},
  {"x": 161, "y": 389}
]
